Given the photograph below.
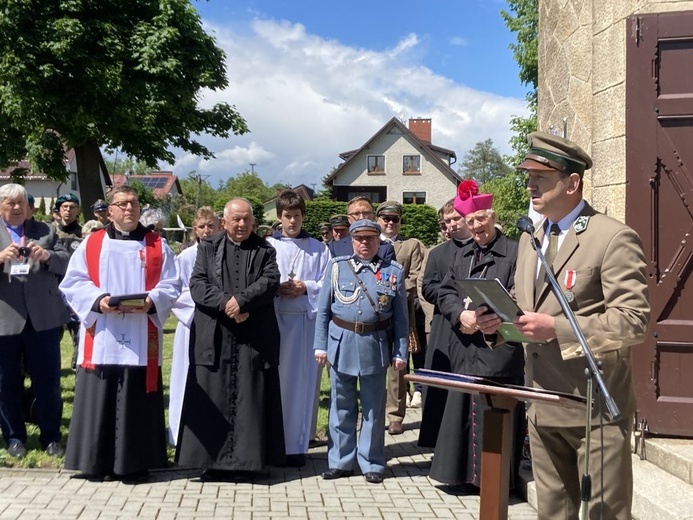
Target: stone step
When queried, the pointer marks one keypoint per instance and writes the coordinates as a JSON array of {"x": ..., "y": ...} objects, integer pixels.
[
  {"x": 659, "y": 494},
  {"x": 675, "y": 456}
]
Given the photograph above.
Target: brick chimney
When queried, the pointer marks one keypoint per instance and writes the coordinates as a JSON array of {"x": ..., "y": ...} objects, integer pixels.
[{"x": 421, "y": 128}]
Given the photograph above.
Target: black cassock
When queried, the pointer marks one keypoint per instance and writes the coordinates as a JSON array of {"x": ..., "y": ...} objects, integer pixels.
[
  {"x": 458, "y": 448},
  {"x": 232, "y": 416}
]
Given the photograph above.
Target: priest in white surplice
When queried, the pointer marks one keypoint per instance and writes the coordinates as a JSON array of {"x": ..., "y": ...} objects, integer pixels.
[
  {"x": 117, "y": 428},
  {"x": 302, "y": 261},
  {"x": 205, "y": 225}
]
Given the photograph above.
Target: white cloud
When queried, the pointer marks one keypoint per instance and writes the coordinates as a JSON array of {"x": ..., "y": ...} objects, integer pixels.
[
  {"x": 306, "y": 99},
  {"x": 458, "y": 41}
]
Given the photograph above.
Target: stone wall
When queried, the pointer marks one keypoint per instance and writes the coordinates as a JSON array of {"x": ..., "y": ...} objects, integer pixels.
[{"x": 582, "y": 78}]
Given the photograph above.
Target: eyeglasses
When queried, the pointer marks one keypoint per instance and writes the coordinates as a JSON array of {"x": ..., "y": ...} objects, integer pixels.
[
  {"x": 361, "y": 214},
  {"x": 390, "y": 218},
  {"x": 126, "y": 203}
]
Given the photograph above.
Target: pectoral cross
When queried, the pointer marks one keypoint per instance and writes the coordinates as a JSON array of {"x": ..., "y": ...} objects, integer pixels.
[
  {"x": 467, "y": 302},
  {"x": 122, "y": 341},
  {"x": 292, "y": 274}
]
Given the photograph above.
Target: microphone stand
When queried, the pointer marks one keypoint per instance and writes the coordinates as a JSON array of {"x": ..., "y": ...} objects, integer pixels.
[{"x": 592, "y": 373}]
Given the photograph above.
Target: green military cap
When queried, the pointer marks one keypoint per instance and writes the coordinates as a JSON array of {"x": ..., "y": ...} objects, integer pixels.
[
  {"x": 390, "y": 206},
  {"x": 552, "y": 152},
  {"x": 325, "y": 226},
  {"x": 339, "y": 220},
  {"x": 68, "y": 197}
]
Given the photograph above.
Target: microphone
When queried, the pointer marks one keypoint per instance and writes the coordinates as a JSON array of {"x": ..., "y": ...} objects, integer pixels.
[{"x": 525, "y": 224}]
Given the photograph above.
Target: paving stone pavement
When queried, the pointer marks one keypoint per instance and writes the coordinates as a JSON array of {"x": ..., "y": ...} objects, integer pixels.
[{"x": 277, "y": 493}]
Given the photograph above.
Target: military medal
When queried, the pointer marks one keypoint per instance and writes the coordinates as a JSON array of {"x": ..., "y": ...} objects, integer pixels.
[
  {"x": 570, "y": 278},
  {"x": 383, "y": 300}
]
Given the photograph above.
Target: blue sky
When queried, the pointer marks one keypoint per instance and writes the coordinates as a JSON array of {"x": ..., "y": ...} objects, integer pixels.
[{"x": 316, "y": 78}]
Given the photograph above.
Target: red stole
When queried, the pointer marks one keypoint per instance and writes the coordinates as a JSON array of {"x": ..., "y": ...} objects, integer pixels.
[{"x": 153, "y": 265}]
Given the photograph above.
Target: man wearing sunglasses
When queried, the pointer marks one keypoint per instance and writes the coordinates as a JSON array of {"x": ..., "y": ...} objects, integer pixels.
[
  {"x": 409, "y": 252},
  {"x": 359, "y": 208}
]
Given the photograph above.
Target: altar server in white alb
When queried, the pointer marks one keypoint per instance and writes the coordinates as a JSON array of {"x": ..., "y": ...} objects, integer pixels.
[
  {"x": 117, "y": 428},
  {"x": 205, "y": 225},
  {"x": 302, "y": 261}
]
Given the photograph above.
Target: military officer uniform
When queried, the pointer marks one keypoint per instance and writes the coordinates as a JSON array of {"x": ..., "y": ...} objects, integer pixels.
[
  {"x": 362, "y": 325},
  {"x": 600, "y": 267}
]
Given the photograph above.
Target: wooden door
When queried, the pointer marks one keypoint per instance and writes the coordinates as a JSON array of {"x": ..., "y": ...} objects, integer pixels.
[{"x": 659, "y": 198}]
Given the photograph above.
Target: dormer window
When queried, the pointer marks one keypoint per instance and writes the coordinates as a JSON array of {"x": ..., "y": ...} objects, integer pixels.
[
  {"x": 376, "y": 164},
  {"x": 411, "y": 164}
]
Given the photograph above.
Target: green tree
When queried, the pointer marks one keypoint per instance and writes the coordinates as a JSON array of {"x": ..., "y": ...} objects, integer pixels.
[
  {"x": 144, "y": 195},
  {"x": 483, "y": 163},
  {"x": 197, "y": 191},
  {"x": 510, "y": 200},
  {"x": 121, "y": 74},
  {"x": 247, "y": 184},
  {"x": 525, "y": 24},
  {"x": 129, "y": 165}
]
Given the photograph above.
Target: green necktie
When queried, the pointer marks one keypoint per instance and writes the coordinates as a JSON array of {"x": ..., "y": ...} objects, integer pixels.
[{"x": 550, "y": 255}]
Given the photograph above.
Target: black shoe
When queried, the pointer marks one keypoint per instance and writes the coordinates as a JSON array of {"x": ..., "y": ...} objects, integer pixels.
[
  {"x": 373, "y": 478},
  {"x": 226, "y": 475},
  {"x": 297, "y": 460},
  {"x": 16, "y": 449},
  {"x": 316, "y": 443},
  {"x": 54, "y": 449},
  {"x": 138, "y": 477},
  {"x": 334, "y": 473}
]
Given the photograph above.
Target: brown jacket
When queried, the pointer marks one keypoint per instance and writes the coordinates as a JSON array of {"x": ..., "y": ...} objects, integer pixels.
[{"x": 611, "y": 306}]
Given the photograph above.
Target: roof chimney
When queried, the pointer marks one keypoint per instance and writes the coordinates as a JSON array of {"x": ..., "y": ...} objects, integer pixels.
[{"x": 421, "y": 128}]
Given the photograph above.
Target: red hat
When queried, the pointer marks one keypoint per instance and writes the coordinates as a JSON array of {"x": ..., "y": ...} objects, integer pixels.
[{"x": 469, "y": 199}]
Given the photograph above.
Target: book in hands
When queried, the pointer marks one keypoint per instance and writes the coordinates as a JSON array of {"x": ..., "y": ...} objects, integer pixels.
[
  {"x": 493, "y": 295},
  {"x": 129, "y": 301}
]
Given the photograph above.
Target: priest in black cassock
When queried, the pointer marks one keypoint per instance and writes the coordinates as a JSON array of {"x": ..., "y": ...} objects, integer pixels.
[
  {"x": 232, "y": 417},
  {"x": 457, "y": 459}
]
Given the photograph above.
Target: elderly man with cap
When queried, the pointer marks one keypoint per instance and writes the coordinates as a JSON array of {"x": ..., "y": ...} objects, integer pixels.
[
  {"x": 100, "y": 208},
  {"x": 361, "y": 329},
  {"x": 490, "y": 255},
  {"x": 600, "y": 267},
  {"x": 409, "y": 253},
  {"x": 340, "y": 226}
]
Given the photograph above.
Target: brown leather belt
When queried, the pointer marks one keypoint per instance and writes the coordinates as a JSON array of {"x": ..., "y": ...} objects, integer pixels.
[{"x": 360, "y": 327}]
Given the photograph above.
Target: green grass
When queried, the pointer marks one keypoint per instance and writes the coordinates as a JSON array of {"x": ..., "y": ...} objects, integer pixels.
[{"x": 37, "y": 458}]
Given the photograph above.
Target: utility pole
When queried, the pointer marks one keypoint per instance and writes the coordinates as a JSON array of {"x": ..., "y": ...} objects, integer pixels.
[
  {"x": 198, "y": 178},
  {"x": 252, "y": 167}
]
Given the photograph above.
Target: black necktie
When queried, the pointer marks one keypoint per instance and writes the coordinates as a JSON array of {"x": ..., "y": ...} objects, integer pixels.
[{"x": 550, "y": 255}]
